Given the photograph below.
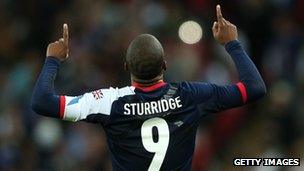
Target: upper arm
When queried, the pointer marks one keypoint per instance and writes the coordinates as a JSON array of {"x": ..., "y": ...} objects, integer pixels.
[
  {"x": 215, "y": 98},
  {"x": 75, "y": 108},
  {"x": 97, "y": 103}
]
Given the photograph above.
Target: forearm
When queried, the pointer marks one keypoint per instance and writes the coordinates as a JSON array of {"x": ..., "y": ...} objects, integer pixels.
[
  {"x": 248, "y": 74},
  {"x": 44, "y": 100}
]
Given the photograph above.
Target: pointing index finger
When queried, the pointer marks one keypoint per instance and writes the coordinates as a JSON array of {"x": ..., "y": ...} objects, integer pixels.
[
  {"x": 219, "y": 13},
  {"x": 65, "y": 34}
]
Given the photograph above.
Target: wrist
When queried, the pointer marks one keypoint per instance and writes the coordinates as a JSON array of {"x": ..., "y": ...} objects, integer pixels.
[
  {"x": 233, "y": 45},
  {"x": 54, "y": 60}
]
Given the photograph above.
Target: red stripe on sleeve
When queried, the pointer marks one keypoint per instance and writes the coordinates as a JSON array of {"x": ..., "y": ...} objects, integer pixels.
[
  {"x": 61, "y": 106},
  {"x": 243, "y": 91}
]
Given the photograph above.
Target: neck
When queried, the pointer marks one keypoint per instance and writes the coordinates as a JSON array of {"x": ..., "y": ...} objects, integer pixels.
[
  {"x": 149, "y": 87},
  {"x": 147, "y": 83}
]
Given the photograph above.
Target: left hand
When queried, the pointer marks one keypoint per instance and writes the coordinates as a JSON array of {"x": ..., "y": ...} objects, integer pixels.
[{"x": 223, "y": 30}]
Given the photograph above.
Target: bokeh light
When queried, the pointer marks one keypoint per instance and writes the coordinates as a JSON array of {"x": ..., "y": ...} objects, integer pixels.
[{"x": 190, "y": 32}]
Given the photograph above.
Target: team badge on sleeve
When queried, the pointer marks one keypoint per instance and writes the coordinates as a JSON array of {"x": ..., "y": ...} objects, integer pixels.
[{"x": 97, "y": 94}]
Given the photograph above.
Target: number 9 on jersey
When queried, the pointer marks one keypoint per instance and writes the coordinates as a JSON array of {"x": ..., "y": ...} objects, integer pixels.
[{"x": 160, "y": 147}]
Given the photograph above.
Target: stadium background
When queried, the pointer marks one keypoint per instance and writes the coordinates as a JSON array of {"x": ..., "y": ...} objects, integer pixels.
[{"x": 100, "y": 31}]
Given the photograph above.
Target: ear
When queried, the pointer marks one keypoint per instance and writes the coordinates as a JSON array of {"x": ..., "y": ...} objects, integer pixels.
[
  {"x": 165, "y": 65},
  {"x": 126, "y": 66}
]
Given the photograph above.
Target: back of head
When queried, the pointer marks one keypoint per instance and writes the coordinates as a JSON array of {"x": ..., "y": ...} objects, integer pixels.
[{"x": 145, "y": 57}]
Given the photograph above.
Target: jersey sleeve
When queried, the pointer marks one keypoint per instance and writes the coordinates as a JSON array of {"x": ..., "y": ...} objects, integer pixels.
[
  {"x": 214, "y": 98},
  {"x": 98, "y": 103},
  {"x": 95, "y": 106},
  {"x": 251, "y": 87}
]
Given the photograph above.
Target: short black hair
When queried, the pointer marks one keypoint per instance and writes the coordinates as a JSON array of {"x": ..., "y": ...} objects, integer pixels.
[{"x": 145, "y": 57}]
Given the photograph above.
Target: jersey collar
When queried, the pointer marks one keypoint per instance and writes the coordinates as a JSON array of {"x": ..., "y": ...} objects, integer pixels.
[{"x": 153, "y": 87}]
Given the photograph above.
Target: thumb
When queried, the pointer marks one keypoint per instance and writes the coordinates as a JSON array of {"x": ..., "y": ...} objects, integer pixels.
[{"x": 215, "y": 27}]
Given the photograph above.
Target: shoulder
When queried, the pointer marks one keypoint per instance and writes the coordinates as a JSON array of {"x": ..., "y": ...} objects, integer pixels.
[
  {"x": 108, "y": 96},
  {"x": 196, "y": 91},
  {"x": 100, "y": 100},
  {"x": 124, "y": 91},
  {"x": 192, "y": 86},
  {"x": 112, "y": 93}
]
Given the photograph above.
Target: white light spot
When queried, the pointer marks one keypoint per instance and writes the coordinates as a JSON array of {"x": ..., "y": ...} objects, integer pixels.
[{"x": 190, "y": 32}]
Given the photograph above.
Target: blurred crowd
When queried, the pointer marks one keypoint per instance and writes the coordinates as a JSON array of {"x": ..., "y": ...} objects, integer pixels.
[{"x": 100, "y": 31}]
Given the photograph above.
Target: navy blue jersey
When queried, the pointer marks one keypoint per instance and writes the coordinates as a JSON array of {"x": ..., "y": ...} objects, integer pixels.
[{"x": 151, "y": 128}]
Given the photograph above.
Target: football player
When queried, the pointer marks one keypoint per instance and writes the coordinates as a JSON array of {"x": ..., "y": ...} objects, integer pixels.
[{"x": 151, "y": 124}]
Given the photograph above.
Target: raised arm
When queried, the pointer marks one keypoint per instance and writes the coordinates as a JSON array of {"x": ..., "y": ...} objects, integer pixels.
[
  {"x": 44, "y": 99},
  {"x": 250, "y": 86},
  {"x": 91, "y": 107}
]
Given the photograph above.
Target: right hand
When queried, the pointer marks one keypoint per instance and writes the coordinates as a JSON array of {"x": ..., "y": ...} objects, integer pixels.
[
  {"x": 60, "y": 48},
  {"x": 223, "y": 30}
]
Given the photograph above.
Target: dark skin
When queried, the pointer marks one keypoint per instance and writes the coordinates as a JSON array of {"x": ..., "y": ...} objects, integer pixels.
[
  {"x": 147, "y": 83},
  {"x": 145, "y": 59},
  {"x": 60, "y": 48},
  {"x": 223, "y": 32}
]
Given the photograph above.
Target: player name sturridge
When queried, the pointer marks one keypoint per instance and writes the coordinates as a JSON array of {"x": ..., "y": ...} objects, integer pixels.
[{"x": 152, "y": 107}]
